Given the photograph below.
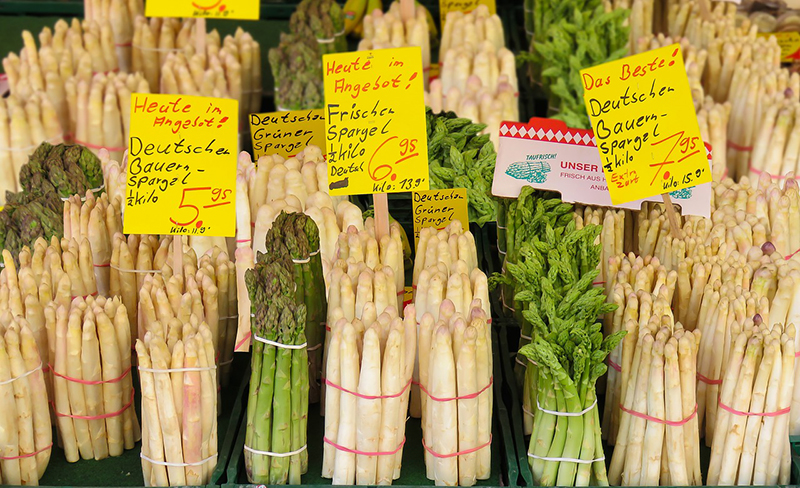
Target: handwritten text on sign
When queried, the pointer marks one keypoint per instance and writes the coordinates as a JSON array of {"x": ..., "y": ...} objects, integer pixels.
[
  {"x": 645, "y": 125},
  {"x": 287, "y": 133},
  {"x": 181, "y": 165},
  {"x": 466, "y": 6},
  {"x": 437, "y": 208},
  {"x": 210, "y": 9},
  {"x": 375, "y": 121}
]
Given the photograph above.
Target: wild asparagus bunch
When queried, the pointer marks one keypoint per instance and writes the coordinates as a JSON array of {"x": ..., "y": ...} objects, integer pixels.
[
  {"x": 91, "y": 376},
  {"x": 277, "y": 408},
  {"x": 297, "y": 71},
  {"x": 27, "y": 435}
]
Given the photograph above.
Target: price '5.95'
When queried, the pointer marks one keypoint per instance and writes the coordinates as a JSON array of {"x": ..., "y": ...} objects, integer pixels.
[{"x": 193, "y": 200}]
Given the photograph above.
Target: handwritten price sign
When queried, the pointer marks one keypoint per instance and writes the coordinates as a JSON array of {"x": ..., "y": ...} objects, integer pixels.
[
  {"x": 181, "y": 166},
  {"x": 437, "y": 208},
  {"x": 375, "y": 121},
  {"x": 210, "y": 9},
  {"x": 466, "y": 6},
  {"x": 645, "y": 125}
]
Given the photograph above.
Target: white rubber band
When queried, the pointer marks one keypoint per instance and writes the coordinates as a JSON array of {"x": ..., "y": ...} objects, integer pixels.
[
  {"x": 523, "y": 336},
  {"x": 568, "y": 460},
  {"x": 313, "y": 253},
  {"x": 283, "y": 109},
  {"x": 326, "y": 41},
  {"x": 122, "y": 270},
  {"x": 83, "y": 199},
  {"x": 229, "y": 361},
  {"x": 177, "y": 465},
  {"x": 23, "y": 375},
  {"x": 567, "y": 414},
  {"x": 280, "y": 345},
  {"x": 301, "y": 261},
  {"x": 275, "y": 454},
  {"x": 229, "y": 317},
  {"x": 526, "y": 411},
  {"x": 177, "y": 370},
  {"x": 501, "y": 227},
  {"x": 315, "y": 347},
  {"x": 501, "y": 252}
]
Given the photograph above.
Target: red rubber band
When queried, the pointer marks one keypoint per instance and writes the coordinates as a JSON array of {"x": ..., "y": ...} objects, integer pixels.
[
  {"x": 733, "y": 145},
  {"x": 413, "y": 287},
  {"x": 243, "y": 240},
  {"x": 98, "y": 417},
  {"x": 124, "y": 44},
  {"x": 774, "y": 177},
  {"x": 465, "y": 397},
  {"x": 753, "y": 414},
  {"x": 459, "y": 453},
  {"x": 363, "y": 453},
  {"x": 84, "y": 296},
  {"x": 401, "y": 293},
  {"x": 595, "y": 283},
  {"x": 102, "y": 265},
  {"x": 707, "y": 380},
  {"x": 86, "y": 382},
  {"x": 614, "y": 365},
  {"x": 327, "y": 328},
  {"x": 25, "y": 456},
  {"x": 368, "y": 397},
  {"x": 407, "y": 303},
  {"x": 92, "y": 146},
  {"x": 244, "y": 339},
  {"x": 671, "y": 423},
  {"x": 790, "y": 255}
]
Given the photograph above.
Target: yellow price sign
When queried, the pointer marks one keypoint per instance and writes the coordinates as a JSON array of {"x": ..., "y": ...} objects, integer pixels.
[
  {"x": 287, "y": 133},
  {"x": 437, "y": 208},
  {"x": 789, "y": 43},
  {"x": 375, "y": 121},
  {"x": 181, "y": 176},
  {"x": 645, "y": 125},
  {"x": 466, "y": 6},
  {"x": 209, "y": 9}
]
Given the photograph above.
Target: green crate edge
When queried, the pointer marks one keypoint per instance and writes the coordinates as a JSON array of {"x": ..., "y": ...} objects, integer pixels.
[
  {"x": 508, "y": 451},
  {"x": 223, "y": 454}
]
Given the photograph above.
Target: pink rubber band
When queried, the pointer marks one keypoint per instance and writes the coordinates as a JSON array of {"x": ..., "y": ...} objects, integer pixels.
[
  {"x": 243, "y": 240},
  {"x": 595, "y": 283},
  {"x": 98, "y": 417},
  {"x": 753, "y": 414},
  {"x": 86, "y": 382},
  {"x": 465, "y": 397},
  {"x": 368, "y": 397},
  {"x": 790, "y": 255},
  {"x": 102, "y": 265},
  {"x": 671, "y": 423},
  {"x": 124, "y": 44},
  {"x": 733, "y": 145},
  {"x": 84, "y": 296},
  {"x": 92, "y": 146},
  {"x": 244, "y": 339},
  {"x": 363, "y": 453},
  {"x": 775, "y": 177},
  {"x": 459, "y": 453},
  {"x": 25, "y": 456},
  {"x": 707, "y": 380},
  {"x": 614, "y": 365},
  {"x": 401, "y": 293}
]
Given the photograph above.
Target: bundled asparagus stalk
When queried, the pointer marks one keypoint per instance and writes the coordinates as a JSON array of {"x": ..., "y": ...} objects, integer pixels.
[
  {"x": 387, "y": 30},
  {"x": 776, "y": 142},
  {"x": 368, "y": 376},
  {"x": 615, "y": 238},
  {"x": 322, "y": 20},
  {"x": 474, "y": 27},
  {"x": 179, "y": 402},
  {"x": 114, "y": 177},
  {"x": 154, "y": 39},
  {"x": 658, "y": 440},
  {"x": 91, "y": 372},
  {"x": 99, "y": 109},
  {"x": 25, "y": 123},
  {"x": 277, "y": 409},
  {"x": 357, "y": 244},
  {"x": 120, "y": 14},
  {"x": 25, "y": 424},
  {"x": 455, "y": 377},
  {"x": 751, "y": 436},
  {"x": 297, "y": 73}
]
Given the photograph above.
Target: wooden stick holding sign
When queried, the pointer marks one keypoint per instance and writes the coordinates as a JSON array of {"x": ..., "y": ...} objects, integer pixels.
[{"x": 674, "y": 220}]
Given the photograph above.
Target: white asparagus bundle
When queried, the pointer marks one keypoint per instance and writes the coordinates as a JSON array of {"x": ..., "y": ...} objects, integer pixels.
[
  {"x": 474, "y": 27},
  {"x": 615, "y": 239},
  {"x": 445, "y": 246},
  {"x": 751, "y": 444},
  {"x": 685, "y": 19},
  {"x": 638, "y": 280},
  {"x": 91, "y": 365},
  {"x": 658, "y": 440},
  {"x": 119, "y": 14},
  {"x": 24, "y": 124},
  {"x": 356, "y": 244},
  {"x": 368, "y": 378},
  {"x": 387, "y": 30},
  {"x": 476, "y": 102},
  {"x": 179, "y": 402},
  {"x": 227, "y": 69},
  {"x": 97, "y": 220},
  {"x": 713, "y": 120},
  {"x": 25, "y": 427},
  {"x": 455, "y": 376},
  {"x": 99, "y": 109},
  {"x": 776, "y": 145}
]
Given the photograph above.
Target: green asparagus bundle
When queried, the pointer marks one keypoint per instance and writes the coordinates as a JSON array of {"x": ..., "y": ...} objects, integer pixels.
[
  {"x": 297, "y": 70},
  {"x": 322, "y": 20},
  {"x": 459, "y": 157},
  {"x": 566, "y": 355},
  {"x": 568, "y": 37}
]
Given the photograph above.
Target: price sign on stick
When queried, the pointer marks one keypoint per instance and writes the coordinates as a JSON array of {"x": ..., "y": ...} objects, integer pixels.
[
  {"x": 375, "y": 121},
  {"x": 466, "y": 6},
  {"x": 287, "y": 133},
  {"x": 645, "y": 125},
  {"x": 437, "y": 208},
  {"x": 181, "y": 165},
  {"x": 207, "y": 9}
]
